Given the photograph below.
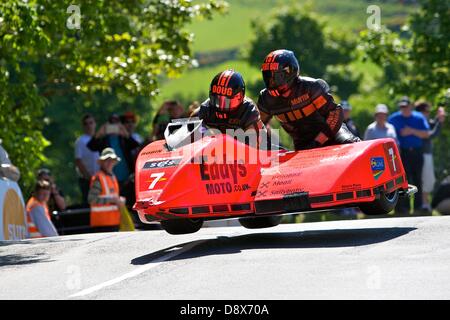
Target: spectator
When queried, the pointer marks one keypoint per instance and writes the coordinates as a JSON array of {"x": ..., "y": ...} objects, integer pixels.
[
  {"x": 411, "y": 128},
  {"x": 129, "y": 120},
  {"x": 441, "y": 198},
  {"x": 86, "y": 159},
  {"x": 38, "y": 215},
  {"x": 114, "y": 135},
  {"x": 169, "y": 110},
  {"x": 380, "y": 128},
  {"x": 56, "y": 201},
  {"x": 428, "y": 176},
  {"x": 192, "y": 107},
  {"x": 7, "y": 169},
  {"x": 347, "y": 108},
  {"x": 104, "y": 196}
]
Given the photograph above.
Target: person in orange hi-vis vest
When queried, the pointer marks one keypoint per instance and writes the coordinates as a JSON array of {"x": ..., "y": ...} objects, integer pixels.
[
  {"x": 103, "y": 196},
  {"x": 38, "y": 217}
]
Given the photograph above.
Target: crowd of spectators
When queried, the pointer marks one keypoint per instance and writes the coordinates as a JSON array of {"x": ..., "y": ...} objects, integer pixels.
[{"x": 413, "y": 129}]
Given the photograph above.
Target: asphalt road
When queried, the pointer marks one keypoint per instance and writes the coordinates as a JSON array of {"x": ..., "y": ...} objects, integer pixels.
[{"x": 393, "y": 258}]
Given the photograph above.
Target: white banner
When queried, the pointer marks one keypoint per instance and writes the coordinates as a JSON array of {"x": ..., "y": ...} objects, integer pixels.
[{"x": 13, "y": 224}]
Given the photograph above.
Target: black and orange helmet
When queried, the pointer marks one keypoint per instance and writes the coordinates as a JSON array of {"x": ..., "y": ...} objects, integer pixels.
[
  {"x": 279, "y": 70},
  {"x": 227, "y": 90}
]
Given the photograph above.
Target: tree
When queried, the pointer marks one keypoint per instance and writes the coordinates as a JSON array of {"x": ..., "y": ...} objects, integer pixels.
[
  {"x": 48, "y": 49},
  {"x": 321, "y": 53},
  {"x": 416, "y": 62}
]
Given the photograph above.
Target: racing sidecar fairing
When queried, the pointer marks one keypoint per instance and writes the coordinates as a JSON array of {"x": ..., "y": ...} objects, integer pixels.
[{"x": 177, "y": 180}]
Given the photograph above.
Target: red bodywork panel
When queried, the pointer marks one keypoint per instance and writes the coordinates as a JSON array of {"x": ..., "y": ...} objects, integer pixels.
[{"x": 177, "y": 184}]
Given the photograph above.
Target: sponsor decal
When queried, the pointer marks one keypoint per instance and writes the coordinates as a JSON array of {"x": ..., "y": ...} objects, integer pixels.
[
  {"x": 13, "y": 211},
  {"x": 348, "y": 187},
  {"x": 222, "y": 171},
  {"x": 225, "y": 187},
  {"x": 300, "y": 99},
  {"x": 224, "y": 91},
  {"x": 152, "y": 152},
  {"x": 392, "y": 157},
  {"x": 227, "y": 174},
  {"x": 377, "y": 166},
  {"x": 269, "y": 66},
  {"x": 161, "y": 164}
]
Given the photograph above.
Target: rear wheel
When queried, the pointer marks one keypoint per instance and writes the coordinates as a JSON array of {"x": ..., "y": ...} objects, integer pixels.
[
  {"x": 385, "y": 204},
  {"x": 182, "y": 226},
  {"x": 260, "y": 222}
]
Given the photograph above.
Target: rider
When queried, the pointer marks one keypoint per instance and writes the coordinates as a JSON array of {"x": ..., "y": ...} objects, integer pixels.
[
  {"x": 227, "y": 106},
  {"x": 303, "y": 105}
]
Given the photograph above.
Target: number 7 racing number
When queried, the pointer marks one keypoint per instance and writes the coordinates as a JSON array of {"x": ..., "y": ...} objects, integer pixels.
[{"x": 158, "y": 177}]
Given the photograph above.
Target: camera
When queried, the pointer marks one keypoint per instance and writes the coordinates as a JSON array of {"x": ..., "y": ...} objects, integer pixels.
[{"x": 111, "y": 128}]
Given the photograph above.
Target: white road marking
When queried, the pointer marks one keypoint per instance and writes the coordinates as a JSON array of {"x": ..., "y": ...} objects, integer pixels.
[{"x": 138, "y": 271}]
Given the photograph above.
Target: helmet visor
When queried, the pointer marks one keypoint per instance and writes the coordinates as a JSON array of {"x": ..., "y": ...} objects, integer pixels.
[
  {"x": 274, "y": 79},
  {"x": 225, "y": 103}
]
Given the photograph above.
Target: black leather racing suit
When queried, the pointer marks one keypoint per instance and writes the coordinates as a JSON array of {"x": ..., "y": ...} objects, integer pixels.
[
  {"x": 245, "y": 117},
  {"x": 309, "y": 114}
]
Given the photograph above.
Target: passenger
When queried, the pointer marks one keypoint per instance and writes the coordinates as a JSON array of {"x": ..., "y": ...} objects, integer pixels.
[{"x": 303, "y": 105}]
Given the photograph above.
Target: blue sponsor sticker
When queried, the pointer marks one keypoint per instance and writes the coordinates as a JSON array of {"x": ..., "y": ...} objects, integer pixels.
[
  {"x": 377, "y": 166},
  {"x": 377, "y": 163}
]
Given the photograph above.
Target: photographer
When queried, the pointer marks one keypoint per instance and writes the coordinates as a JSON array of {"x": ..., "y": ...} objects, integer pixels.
[
  {"x": 56, "y": 201},
  {"x": 114, "y": 135}
]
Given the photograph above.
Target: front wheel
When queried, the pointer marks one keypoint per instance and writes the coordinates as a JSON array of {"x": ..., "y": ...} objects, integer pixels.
[
  {"x": 385, "y": 204},
  {"x": 260, "y": 222},
  {"x": 182, "y": 226}
]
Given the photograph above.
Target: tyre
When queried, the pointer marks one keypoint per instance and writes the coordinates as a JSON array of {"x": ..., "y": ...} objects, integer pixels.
[
  {"x": 182, "y": 226},
  {"x": 260, "y": 222},
  {"x": 385, "y": 204}
]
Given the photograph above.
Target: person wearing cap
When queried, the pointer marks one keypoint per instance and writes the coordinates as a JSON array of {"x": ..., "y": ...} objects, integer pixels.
[
  {"x": 103, "y": 197},
  {"x": 380, "y": 128},
  {"x": 38, "y": 215},
  {"x": 411, "y": 128},
  {"x": 56, "y": 201},
  {"x": 428, "y": 176},
  {"x": 114, "y": 135},
  {"x": 347, "y": 111}
]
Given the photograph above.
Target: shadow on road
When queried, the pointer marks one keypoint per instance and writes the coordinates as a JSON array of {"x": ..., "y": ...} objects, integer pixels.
[
  {"x": 18, "y": 259},
  {"x": 15, "y": 256},
  {"x": 280, "y": 240}
]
